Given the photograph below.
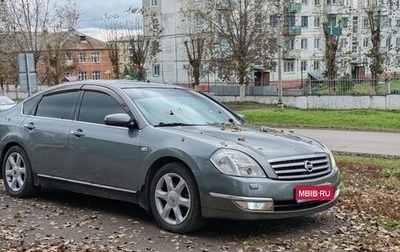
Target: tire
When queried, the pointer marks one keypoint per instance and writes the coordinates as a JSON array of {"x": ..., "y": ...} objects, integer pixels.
[
  {"x": 174, "y": 199},
  {"x": 17, "y": 173}
]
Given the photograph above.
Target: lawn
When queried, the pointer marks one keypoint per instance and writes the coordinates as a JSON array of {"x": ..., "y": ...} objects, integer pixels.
[{"x": 355, "y": 119}]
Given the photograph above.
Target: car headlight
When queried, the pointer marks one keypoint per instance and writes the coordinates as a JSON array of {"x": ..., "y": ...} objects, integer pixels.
[
  {"x": 233, "y": 162},
  {"x": 331, "y": 157}
]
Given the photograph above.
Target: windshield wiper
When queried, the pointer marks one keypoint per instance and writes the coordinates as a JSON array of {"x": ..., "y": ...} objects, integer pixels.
[{"x": 164, "y": 124}]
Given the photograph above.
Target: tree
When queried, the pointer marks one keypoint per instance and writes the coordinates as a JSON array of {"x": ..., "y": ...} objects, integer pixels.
[
  {"x": 40, "y": 27},
  {"x": 55, "y": 56},
  {"x": 129, "y": 30},
  {"x": 195, "y": 48},
  {"x": 377, "y": 57},
  {"x": 331, "y": 47},
  {"x": 113, "y": 26},
  {"x": 239, "y": 36}
]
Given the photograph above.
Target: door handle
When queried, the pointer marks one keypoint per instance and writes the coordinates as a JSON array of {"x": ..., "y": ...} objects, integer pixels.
[
  {"x": 78, "y": 133},
  {"x": 30, "y": 126}
]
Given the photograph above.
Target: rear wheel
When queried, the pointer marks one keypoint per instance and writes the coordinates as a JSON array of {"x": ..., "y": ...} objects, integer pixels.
[
  {"x": 174, "y": 199},
  {"x": 17, "y": 174}
]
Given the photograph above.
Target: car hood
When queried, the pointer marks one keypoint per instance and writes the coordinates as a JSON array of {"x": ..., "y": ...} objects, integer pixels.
[{"x": 266, "y": 141}]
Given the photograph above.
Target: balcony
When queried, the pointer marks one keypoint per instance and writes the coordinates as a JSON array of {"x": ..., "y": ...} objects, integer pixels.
[
  {"x": 293, "y": 30},
  {"x": 292, "y": 8},
  {"x": 335, "y": 30},
  {"x": 333, "y": 8},
  {"x": 291, "y": 54}
]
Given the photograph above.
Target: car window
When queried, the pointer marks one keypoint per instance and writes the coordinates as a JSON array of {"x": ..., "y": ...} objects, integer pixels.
[
  {"x": 95, "y": 106},
  {"x": 59, "y": 105},
  {"x": 30, "y": 104}
]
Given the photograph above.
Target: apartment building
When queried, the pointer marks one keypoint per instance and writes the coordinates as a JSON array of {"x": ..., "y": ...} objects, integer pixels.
[{"x": 303, "y": 41}]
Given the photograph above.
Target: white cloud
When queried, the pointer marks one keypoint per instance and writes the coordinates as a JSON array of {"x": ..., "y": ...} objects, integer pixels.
[{"x": 92, "y": 12}]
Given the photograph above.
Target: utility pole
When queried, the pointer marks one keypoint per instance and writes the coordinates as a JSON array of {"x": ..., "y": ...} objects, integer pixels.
[{"x": 279, "y": 26}]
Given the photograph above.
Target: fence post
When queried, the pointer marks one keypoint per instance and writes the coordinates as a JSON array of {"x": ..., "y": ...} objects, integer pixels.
[{"x": 387, "y": 86}]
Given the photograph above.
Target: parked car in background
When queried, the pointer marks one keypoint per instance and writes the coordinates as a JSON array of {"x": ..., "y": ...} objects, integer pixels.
[
  {"x": 176, "y": 152},
  {"x": 6, "y": 103}
]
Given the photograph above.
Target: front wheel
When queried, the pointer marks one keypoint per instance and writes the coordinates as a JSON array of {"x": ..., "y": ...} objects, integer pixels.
[
  {"x": 174, "y": 199},
  {"x": 17, "y": 174}
]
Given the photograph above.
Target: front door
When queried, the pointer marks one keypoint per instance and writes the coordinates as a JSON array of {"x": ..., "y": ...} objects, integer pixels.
[{"x": 101, "y": 155}]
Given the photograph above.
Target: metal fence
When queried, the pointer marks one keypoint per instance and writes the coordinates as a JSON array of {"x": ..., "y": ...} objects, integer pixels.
[{"x": 315, "y": 87}]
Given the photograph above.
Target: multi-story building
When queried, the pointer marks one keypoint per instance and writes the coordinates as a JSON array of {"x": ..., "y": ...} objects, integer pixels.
[
  {"x": 302, "y": 36},
  {"x": 93, "y": 58},
  {"x": 87, "y": 58}
]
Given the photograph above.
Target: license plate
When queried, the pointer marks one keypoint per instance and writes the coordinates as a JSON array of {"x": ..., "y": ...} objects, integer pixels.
[{"x": 314, "y": 193}]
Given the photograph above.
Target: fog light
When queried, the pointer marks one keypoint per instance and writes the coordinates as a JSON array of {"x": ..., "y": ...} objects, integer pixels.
[{"x": 259, "y": 206}]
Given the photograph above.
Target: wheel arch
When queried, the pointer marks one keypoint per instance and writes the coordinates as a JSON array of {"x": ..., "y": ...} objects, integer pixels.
[
  {"x": 8, "y": 146},
  {"x": 144, "y": 199}
]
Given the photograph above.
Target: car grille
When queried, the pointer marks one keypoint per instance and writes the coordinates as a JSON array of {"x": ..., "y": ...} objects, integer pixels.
[{"x": 295, "y": 168}]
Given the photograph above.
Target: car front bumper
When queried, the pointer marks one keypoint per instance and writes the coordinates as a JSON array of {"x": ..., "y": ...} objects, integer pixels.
[{"x": 255, "y": 199}]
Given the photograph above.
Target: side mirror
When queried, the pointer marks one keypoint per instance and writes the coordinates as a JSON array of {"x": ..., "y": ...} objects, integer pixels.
[{"x": 119, "y": 119}]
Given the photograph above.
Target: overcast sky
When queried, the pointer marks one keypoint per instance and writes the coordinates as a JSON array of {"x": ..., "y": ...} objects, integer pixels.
[{"x": 92, "y": 11}]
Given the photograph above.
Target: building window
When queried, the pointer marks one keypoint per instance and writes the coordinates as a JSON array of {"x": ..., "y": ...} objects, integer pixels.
[
  {"x": 344, "y": 42},
  {"x": 290, "y": 44},
  {"x": 155, "y": 47},
  {"x": 365, "y": 42},
  {"x": 153, "y": 2},
  {"x": 317, "y": 21},
  {"x": 316, "y": 65},
  {"x": 288, "y": 66},
  {"x": 273, "y": 20},
  {"x": 365, "y": 23},
  {"x": 82, "y": 76},
  {"x": 317, "y": 2},
  {"x": 198, "y": 20},
  {"x": 304, "y": 43},
  {"x": 303, "y": 66},
  {"x": 317, "y": 43},
  {"x": 304, "y": 1},
  {"x": 354, "y": 45},
  {"x": 96, "y": 75},
  {"x": 154, "y": 23},
  {"x": 95, "y": 57},
  {"x": 304, "y": 21},
  {"x": 156, "y": 69},
  {"x": 345, "y": 22},
  {"x": 398, "y": 23},
  {"x": 82, "y": 57},
  {"x": 398, "y": 42},
  {"x": 355, "y": 24},
  {"x": 388, "y": 42}
]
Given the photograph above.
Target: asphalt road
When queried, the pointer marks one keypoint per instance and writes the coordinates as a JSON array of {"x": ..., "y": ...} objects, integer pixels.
[{"x": 356, "y": 142}]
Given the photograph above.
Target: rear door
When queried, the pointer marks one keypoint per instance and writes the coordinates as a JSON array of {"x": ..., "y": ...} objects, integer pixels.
[
  {"x": 47, "y": 131},
  {"x": 101, "y": 155}
]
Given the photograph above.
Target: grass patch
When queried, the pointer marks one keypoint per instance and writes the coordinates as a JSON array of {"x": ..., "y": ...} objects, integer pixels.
[
  {"x": 355, "y": 119},
  {"x": 395, "y": 172}
]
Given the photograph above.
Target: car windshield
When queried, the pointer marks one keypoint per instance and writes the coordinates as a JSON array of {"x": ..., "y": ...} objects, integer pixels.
[
  {"x": 178, "y": 107},
  {"x": 4, "y": 100}
]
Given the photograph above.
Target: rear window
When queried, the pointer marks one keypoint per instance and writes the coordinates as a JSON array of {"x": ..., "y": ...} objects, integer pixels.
[{"x": 60, "y": 105}]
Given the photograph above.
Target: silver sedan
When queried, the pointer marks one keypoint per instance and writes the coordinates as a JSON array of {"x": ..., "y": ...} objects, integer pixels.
[{"x": 176, "y": 152}]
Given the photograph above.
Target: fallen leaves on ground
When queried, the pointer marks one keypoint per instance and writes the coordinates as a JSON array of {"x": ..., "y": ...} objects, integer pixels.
[{"x": 366, "y": 218}]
